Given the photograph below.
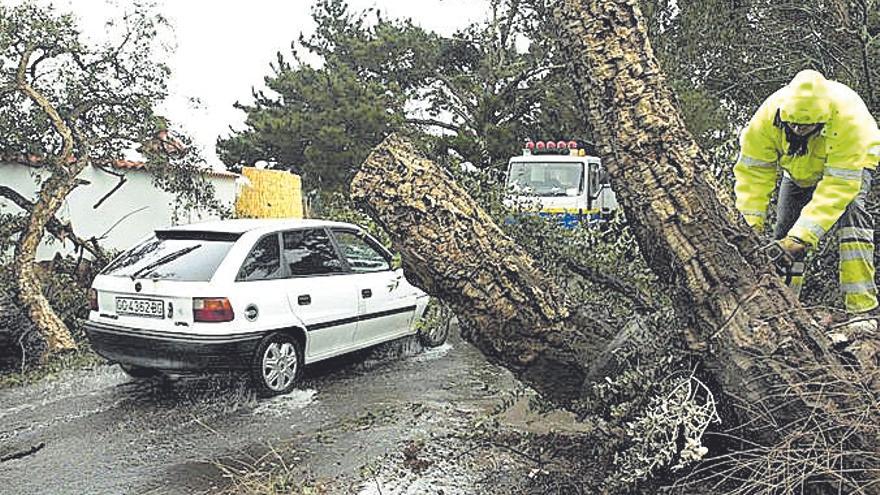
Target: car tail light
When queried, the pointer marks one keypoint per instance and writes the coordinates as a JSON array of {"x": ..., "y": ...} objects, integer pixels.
[
  {"x": 93, "y": 299},
  {"x": 212, "y": 309}
]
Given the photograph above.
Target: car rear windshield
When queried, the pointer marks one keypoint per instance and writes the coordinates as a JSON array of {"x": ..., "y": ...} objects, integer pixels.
[{"x": 173, "y": 255}]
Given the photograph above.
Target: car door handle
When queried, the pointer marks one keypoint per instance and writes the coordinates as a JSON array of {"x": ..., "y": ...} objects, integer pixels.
[
  {"x": 366, "y": 293},
  {"x": 304, "y": 300},
  {"x": 393, "y": 284}
]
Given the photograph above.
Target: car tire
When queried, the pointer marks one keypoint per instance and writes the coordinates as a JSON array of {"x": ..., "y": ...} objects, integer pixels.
[
  {"x": 276, "y": 365},
  {"x": 435, "y": 335},
  {"x": 138, "y": 371}
]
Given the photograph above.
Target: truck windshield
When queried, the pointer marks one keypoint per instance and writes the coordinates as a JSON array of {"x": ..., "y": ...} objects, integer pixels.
[{"x": 546, "y": 178}]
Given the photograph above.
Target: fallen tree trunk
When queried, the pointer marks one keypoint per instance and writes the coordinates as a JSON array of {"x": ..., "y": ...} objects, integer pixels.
[
  {"x": 763, "y": 348},
  {"x": 795, "y": 394},
  {"x": 451, "y": 248}
]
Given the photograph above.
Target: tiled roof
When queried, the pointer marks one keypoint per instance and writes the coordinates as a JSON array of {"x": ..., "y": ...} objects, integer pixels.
[
  {"x": 163, "y": 141},
  {"x": 133, "y": 165},
  {"x": 32, "y": 160}
]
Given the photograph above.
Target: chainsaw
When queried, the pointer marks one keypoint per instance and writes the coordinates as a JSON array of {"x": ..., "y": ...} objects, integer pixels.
[{"x": 785, "y": 265}]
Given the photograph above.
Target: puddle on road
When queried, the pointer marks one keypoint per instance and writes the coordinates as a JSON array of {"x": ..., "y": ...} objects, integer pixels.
[
  {"x": 281, "y": 405},
  {"x": 71, "y": 386},
  {"x": 145, "y": 425},
  {"x": 190, "y": 389},
  {"x": 66, "y": 385},
  {"x": 438, "y": 466},
  {"x": 17, "y": 409}
]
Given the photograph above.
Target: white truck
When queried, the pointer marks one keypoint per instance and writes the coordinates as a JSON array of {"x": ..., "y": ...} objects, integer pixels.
[{"x": 561, "y": 180}]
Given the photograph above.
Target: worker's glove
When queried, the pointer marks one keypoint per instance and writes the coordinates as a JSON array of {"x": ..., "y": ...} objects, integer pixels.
[{"x": 795, "y": 248}]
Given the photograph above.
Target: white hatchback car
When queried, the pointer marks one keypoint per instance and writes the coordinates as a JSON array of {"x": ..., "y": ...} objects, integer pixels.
[{"x": 268, "y": 296}]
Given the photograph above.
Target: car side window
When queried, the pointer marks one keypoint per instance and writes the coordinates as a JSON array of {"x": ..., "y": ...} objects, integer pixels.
[
  {"x": 360, "y": 255},
  {"x": 310, "y": 252},
  {"x": 263, "y": 262}
]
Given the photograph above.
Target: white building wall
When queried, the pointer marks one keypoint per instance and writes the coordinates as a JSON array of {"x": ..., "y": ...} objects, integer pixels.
[{"x": 147, "y": 207}]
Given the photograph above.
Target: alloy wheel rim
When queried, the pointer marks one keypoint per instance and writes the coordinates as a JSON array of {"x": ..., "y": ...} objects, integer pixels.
[{"x": 279, "y": 365}]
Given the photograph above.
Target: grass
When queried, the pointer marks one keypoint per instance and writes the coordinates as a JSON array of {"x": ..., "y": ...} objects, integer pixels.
[
  {"x": 270, "y": 474},
  {"x": 79, "y": 359}
]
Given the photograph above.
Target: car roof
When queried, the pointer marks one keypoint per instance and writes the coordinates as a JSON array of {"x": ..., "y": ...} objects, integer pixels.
[{"x": 242, "y": 225}]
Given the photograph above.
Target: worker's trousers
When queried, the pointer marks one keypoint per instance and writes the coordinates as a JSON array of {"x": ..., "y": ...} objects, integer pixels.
[{"x": 856, "y": 228}]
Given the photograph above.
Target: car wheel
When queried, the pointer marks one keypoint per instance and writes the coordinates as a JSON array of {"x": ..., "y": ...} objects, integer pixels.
[
  {"x": 435, "y": 325},
  {"x": 138, "y": 371},
  {"x": 276, "y": 365}
]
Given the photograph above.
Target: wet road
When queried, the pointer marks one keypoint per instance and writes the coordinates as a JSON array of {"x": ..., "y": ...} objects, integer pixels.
[{"x": 104, "y": 432}]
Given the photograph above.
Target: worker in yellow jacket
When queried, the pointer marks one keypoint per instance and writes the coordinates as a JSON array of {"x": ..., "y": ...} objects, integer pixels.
[{"x": 821, "y": 135}]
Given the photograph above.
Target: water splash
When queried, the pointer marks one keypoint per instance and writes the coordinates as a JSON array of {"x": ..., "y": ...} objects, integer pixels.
[
  {"x": 391, "y": 351},
  {"x": 432, "y": 354}
]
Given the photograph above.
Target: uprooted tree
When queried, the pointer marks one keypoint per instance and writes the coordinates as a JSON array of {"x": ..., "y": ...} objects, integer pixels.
[
  {"x": 66, "y": 104},
  {"x": 796, "y": 401}
]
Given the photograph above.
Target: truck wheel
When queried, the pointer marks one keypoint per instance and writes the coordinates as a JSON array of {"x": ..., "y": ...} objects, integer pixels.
[{"x": 276, "y": 365}]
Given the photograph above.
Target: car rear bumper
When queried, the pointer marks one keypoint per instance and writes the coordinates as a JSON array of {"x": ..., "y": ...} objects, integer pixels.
[{"x": 171, "y": 351}]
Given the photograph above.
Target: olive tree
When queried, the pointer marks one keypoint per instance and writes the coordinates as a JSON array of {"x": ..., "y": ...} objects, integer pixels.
[{"x": 66, "y": 103}]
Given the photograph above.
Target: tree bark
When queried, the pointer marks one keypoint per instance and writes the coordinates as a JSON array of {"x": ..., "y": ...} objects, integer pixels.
[
  {"x": 30, "y": 291},
  {"x": 763, "y": 345}
]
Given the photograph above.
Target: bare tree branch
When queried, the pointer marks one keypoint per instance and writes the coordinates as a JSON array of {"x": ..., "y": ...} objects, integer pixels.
[
  {"x": 452, "y": 90},
  {"x": 513, "y": 11},
  {"x": 22, "y": 65},
  {"x": 40, "y": 99},
  {"x": 33, "y": 66},
  {"x": 525, "y": 76},
  {"x": 122, "y": 181},
  {"x": 435, "y": 123},
  {"x": 111, "y": 55},
  {"x": 110, "y": 229},
  {"x": 631, "y": 292}
]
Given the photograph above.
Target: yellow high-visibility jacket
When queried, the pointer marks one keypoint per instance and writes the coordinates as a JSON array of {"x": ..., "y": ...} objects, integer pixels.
[{"x": 835, "y": 158}]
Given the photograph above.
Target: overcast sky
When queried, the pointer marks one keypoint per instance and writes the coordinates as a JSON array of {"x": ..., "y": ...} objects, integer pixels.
[{"x": 225, "y": 47}]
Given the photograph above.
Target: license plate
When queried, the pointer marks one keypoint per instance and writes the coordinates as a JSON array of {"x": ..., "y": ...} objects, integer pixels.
[{"x": 151, "y": 308}]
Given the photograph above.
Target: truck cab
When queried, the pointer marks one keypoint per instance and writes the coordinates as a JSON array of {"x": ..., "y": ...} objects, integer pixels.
[{"x": 563, "y": 182}]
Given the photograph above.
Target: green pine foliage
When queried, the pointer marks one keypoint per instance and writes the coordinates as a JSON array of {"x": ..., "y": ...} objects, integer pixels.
[{"x": 473, "y": 96}]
